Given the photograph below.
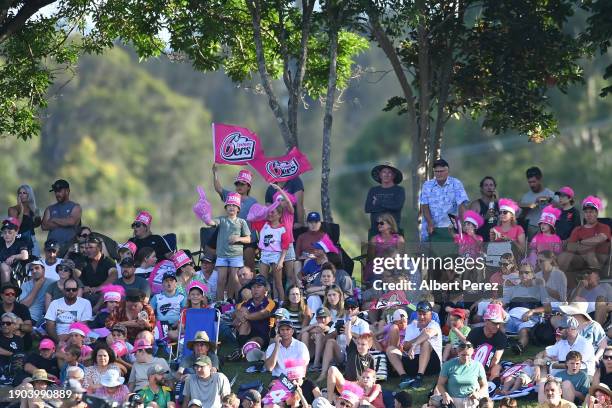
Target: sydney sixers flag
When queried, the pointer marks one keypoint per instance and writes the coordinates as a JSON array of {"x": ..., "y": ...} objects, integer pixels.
[
  {"x": 275, "y": 169},
  {"x": 235, "y": 144}
]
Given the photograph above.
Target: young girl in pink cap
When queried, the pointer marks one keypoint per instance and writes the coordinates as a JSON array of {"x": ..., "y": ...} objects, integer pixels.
[
  {"x": 470, "y": 243},
  {"x": 508, "y": 230},
  {"x": 546, "y": 239}
]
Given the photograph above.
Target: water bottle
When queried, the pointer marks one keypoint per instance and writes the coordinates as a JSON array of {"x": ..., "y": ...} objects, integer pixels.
[
  {"x": 491, "y": 207},
  {"x": 225, "y": 295}
]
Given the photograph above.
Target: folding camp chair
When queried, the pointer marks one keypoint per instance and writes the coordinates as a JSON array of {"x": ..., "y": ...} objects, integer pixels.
[
  {"x": 196, "y": 320},
  {"x": 171, "y": 241}
]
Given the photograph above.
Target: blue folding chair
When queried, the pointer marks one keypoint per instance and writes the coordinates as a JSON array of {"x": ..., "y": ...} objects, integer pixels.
[
  {"x": 171, "y": 241},
  {"x": 197, "y": 320}
]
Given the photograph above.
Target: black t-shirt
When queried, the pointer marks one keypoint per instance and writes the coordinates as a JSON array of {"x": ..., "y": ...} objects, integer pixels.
[
  {"x": 79, "y": 259},
  {"x": 477, "y": 337},
  {"x": 308, "y": 386},
  {"x": 18, "y": 246},
  {"x": 382, "y": 200},
  {"x": 94, "y": 278},
  {"x": 604, "y": 376},
  {"x": 159, "y": 245},
  {"x": 356, "y": 363},
  {"x": 566, "y": 223},
  {"x": 20, "y": 310},
  {"x": 14, "y": 345},
  {"x": 40, "y": 362}
]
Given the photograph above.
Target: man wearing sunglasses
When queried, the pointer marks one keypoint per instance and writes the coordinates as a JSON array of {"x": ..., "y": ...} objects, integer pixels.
[
  {"x": 63, "y": 218},
  {"x": 143, "y": 237},
  {"x": 10, "y": 293},
  {"x": 67, "y": 310}
]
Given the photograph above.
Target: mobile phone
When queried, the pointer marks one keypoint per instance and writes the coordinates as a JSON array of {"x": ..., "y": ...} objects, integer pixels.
[{"x": 453, "y": 219}]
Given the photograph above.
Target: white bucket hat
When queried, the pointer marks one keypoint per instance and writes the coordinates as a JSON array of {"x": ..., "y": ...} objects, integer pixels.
[{"x": 112, "y": 378}]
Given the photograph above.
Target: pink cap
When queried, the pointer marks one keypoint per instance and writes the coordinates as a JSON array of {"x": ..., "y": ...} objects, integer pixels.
[
  {"x": 351, "y": 392},
  {"x": 567, "y": 190},
  {"x": 141, "y": 344},
  {"x": 233, "y": 199},
  {"x": 507, "y": 204},
  {"x": 145, "y": 217},
  {"x": 131, "y": 246},
  {"x": 11, "y": 220},
  {"x": 119, "y": 348},
  {"x": 179, "y": 259},
  {"x": 295, "y": 368},
  {"x": 250, "y": 346},
  {"x": 594, "y": 202},
  {"x": 113, "y": 293},
  {"x": 550, "y": 215},
  {"x": 79, "y": 328},
  {"x": 494, "y": 313},
  {"x": 473, "y": 217},
  {"x": 46, "y": 344},
  {"x": 199, "y": 285},
  {"x": 244, "y": 176}
]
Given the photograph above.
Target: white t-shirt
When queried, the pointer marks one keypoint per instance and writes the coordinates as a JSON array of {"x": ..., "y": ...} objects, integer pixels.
[
  {"x": 582, "y": 345},
  {"x": 296, "y": 350},
  {"x": 64, "y": 315},
  {"x": 359, "y": 327},
  {"x": 50, "y": 271},
  {"x": 412, "y": 332}
]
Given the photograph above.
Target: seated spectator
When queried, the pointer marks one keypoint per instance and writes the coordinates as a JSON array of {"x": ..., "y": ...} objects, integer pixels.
[
  {"x": 130, "y": 280},
  {"x": 44, "y": 360},
  {"x": 77, "y": 253},
  {"x": 589, "y": 244},
  {"x": 51, "y": 260},
  {"x": 553, "y": 357},
  {"x": 570, "y": 216},
  {"x": 587, "y": 328},
  {"x": 357, "y": 362},
  {"x": 527, "y": 374},
  {"x": 602, "y": 397},
  {"x": 469, "y": 242},
  {"x": 144, "y": 238},
  {"x": 603, "y": 373},
  {"x": 325, "y": 252},
  {"x": 156, "y": 392},
  {"x": 12, "y": 249},
  {"x": 575, "y": 385},
  {"x": 421, "y": 351},
  {"x": 372, "y": 392},
  {"x": 185, "y": 271},
  {"x": 65, "y": 270},
  {"x": 205, "y": 385},
  {"x": 551, "y": 397},
  {"x": 306, "y": 239},
  {"x": 508, "y": 271},
  {"x": 196, "y": 299},
  {"x": 299, "y": 313},
  {"x": 145, "y": 260},
  {"x": 554, "y": 279},
  {"x": 168, "y": 304},
  {"x": 492, "y": 340},
  {"x": 598, "y": 295},
  {"x": 387, "y": 237},
  {"x": 134, "y": 314},
  {"x": 210, "y": 276},
  {"x": 65, "y": 311},
  {"x": 111, "y": 295},
  {"x": 231, "y": 401},
  {"x": 125, "y": 250},
  {"x": 73, "y": 355},
  {"x": 112, "y": 387},
  {"x": 10, "y": 343},
  {"x": 463, "y": 381},
  {"x": 457, "y": 334},
  {"x": 98, "y": 272},
  {"x": 318, "y": 286},
  {"x": 252, "y": 318},
  {"x": 284, "y": 347},
  {"x": 508, "y": 230},
  {"x": 33, "y": 291},
  {"x": 36, "y": 387},
  {"x": 103, "y": 362},
  {"x": 139, "y": 378},
  {"x": 77, "y": 333},
  {"x": 391, "y": 335},
  {"x": 200, "y": 346},
  {"x": 343, "y": 339},
  {"x": 315, "y": 335}
]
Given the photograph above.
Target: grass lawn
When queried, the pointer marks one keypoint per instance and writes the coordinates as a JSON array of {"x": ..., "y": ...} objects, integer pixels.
[{"x": 419, "y": 394}]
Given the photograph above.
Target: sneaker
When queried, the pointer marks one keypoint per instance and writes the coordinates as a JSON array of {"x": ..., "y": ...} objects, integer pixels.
[
  {"x": 252, "y": 369},
  {"x": 405, "y": 381},
  {"x": 416, "y": 383},
  {"x": 517, "y": 348},
  {"x": 314, "y": 369}
]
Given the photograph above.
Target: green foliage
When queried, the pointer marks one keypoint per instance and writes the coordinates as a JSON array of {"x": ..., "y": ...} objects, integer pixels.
[{"x": 599, "y": 33}]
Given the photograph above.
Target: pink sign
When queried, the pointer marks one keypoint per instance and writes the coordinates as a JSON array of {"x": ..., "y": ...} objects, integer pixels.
[
  {"x": 287, "y": 167},
  {"x": 157, "y": 274},
  {"x": 235, "y": 145},
  {"x": 281, "y": 389}
]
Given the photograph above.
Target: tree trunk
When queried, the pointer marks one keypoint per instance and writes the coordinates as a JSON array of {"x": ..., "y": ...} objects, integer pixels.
[{"x": 328, "y": 117}]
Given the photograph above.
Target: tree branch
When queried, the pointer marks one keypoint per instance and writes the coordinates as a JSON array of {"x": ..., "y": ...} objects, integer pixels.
[{"x": 16, "y": 23}]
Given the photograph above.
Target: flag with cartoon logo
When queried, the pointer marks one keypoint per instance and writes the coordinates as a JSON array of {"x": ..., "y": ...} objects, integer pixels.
[{"x": 235, "y": 145}]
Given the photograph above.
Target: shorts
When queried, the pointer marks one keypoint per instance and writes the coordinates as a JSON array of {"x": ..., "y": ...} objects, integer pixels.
[
  {"x": 514, "y": 325},
  {"x": 412, "y": 366},
  {"x": 269, "y": 257},
  {"x": 233, "y": 262}
]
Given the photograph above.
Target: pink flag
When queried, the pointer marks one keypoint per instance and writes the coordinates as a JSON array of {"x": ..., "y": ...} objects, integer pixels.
[
  {"x": 235, "y": 144},
  {"x": 275, "y": 169}
]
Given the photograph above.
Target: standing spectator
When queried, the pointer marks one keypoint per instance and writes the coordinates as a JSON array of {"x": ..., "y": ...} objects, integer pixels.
[
  {"x": 205, "y": 385},
  {"x": 242, "y": 184},
  {"x": 487, "y": 206},
  {"x": 533, "y": 202},
  {"x": 28, "y": 214},
  {"x": 51, "y": 260},
  {"x": 421, "y": 351},
  {"x": 12, "y": 249},
  {"x": 388, "y": 197},
  {"x": 492, "y": 340},
  {"x": 67, "y": 310},
  {"x": 98, "y": 272},
  {"x": 63, "y": 218},
  {"x": 463, "y": 381},
  {"x": 295, "y": 187},
  {"x": 34, "y": 290},
  {"x": 570, "y": 216},
  {"x": 439, "y": 197},
  {"x": 210, "y": 276},
  {"x": 143, "y": 237},
  {"x": 508, "y": 230}
]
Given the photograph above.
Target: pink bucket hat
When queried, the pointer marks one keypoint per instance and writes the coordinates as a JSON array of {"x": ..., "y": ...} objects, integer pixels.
[
  {"x": 244, "y": 176},
  {"x": 507, "y": 204},
  {"x": 567, "y": 190},
  {"x": 494, "y": 313},
  {"x": 79, "y": 328},
  {"x": 199, "y": 285},
  {"x": 550, "y": 215},
  {"x": 473, "y": 217},
  {"x": 141, "y": 344},
  {"x": 233, "y": 199},
  {"x": 180, "y": 258},
  {"x": 46, "y": 344},
  {"x": 145, "y": 217},
  {"x": 593, "y": 202},
  {"x": 131, "y": 246},
  {"x": 113, "y": 293},
  {"x": 351, "y": 392}
]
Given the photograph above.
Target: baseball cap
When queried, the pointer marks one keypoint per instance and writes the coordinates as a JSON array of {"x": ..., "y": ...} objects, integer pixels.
[
  {"x": 424, "y": 306},
  {"x": 208, "y": 258},
  {"x": 323, "y": 312},
  {"x": 127, "y": 261},
  {"x": 313, "y": 217},
  {"x": 11, "y": 222},
  {"x": 465, "y": 344},
  {"x": 458, "y": 312},
  {"x": 203, "y": 360},
  {"x": 59, "y": 185},
  {"x": 46, "y": 344},
  {"x": 567, "y": 190},
  {"x": 282, "y": 313},
  {"x": 494, "y": 313},
  {"x": 52, "y": 244},
  {"x": 35, "y": 262},
  {"x": 285, "y": 323},
  {"x": 252, "y": 395},
  {"x": 351, "y": 302},
  {"x": 196, "y": 402},
  {"x": 169, "y": 275},
  {"x": 568, "y": 322},
  {"x": 258, "y": 280},
  {"x": 398, "y": 314},
  {"x": 156, "y": 369}
]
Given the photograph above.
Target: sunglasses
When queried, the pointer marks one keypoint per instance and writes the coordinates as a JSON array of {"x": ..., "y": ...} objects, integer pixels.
[
  {"x": 137, "y": 225},
  {"x": 345, "y": 404},
  {"x": 238, "y": 183},
  {"x": 381, "y": 223},
  {"x": 71, "y": 289},
  {"x": 63, "y": 269},
  {"x": 7, "y": 323},
  {"x": 10, "y": 294},
  {"x": 505, "y": 212},
  {"x": 352, "y": 307},
  {"x": 84, "y": 235},
  {"x": 608, "y": 357}
]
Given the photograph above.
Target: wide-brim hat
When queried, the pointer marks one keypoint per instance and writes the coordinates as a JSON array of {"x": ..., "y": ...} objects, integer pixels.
[
  {"x": 112, "y": 378},
  {"x": 376, "y": 172},
  {"x": 603, "y": 388},
  {"x": 201, "y": 337},
  {"x": 40, "y": 375},
  {"x": 575, "y": 308}
]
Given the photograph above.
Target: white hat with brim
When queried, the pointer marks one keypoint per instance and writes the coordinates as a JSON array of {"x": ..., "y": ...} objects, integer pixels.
[
  {"x": 575, "y": 308},
  {"x": 195, "y": 401},
  {"x": 112, "y": 378}
]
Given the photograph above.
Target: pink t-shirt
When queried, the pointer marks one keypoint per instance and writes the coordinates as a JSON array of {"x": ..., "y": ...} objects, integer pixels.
[
  {"x": 544, "y": 242},
  {"x": 468, "y": 245},
  {"x": 513, "y": 233}
]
